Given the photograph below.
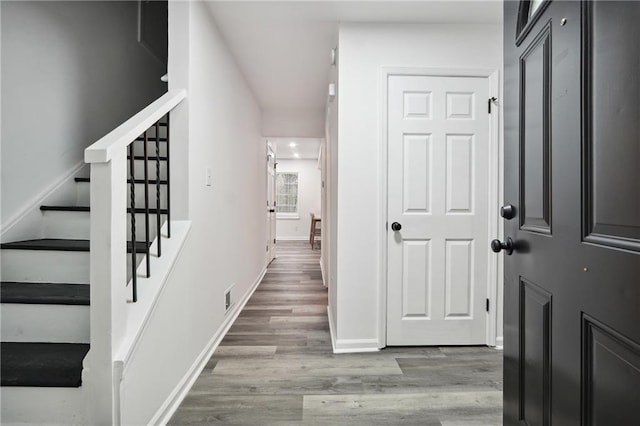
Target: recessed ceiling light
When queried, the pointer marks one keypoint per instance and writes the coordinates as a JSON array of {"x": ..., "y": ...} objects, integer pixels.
[{"x": 293, "y": 144}]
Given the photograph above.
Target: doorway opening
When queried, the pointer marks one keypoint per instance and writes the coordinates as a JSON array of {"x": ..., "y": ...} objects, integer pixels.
[{"x": 298, "y": 189}]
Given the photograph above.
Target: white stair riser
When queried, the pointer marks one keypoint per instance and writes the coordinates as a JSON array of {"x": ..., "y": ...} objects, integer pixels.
[
  {"x": 83, "y": 194},
  {"x": 51, "y": 266},
  {"x": 45, "y": 266},
  {"x": 76, "y": 225},
  {"x": 54, "y": 405},
  {"x": 45, "y": 323},
  {"x": 68, "y": 225}
]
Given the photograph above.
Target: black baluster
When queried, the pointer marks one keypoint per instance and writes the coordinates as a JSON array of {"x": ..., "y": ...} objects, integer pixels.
[
  {"x": 134, "y": 278},
  {"x": 168, "y": 181},
  {"x": 158, "y": 216},
  {"x": 146, "y": 201}
]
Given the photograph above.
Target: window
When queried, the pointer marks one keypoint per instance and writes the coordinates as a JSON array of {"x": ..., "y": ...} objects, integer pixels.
[{"x": 287, "y": 194}]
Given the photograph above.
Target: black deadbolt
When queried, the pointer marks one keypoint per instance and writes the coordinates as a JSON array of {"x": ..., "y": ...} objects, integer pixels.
[
  {"x": 508, "y": 211},
  {"x": 396, "y": 226}
]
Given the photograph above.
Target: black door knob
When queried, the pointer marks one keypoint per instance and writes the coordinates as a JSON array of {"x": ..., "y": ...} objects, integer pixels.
[
  {"x": 508, "y": 211},
  {"x": 497, "y": 246},
  {"x": 396, "y": 226}
]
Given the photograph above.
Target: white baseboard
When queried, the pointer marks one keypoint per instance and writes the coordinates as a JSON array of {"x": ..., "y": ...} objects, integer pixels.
[
  {"x": 500, "y": 342},
  {"x": 27, "y": 222},
  {"x": 171, "y": 404},
  {"x": 346, "y": 346},
  {"x": 303, "y": 238}
]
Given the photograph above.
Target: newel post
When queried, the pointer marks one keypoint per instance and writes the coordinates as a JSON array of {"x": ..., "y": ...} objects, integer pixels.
[{"x": 108, "y": 279}]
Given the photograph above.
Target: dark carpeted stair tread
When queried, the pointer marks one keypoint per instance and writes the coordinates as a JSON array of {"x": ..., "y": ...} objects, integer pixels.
[
  {"x": 42, "y": 364},
  {"x": 44, "y": 293},
  {"x": 55, "y": 244}
]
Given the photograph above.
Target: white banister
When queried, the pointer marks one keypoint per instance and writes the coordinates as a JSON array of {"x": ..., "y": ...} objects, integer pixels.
[
  {"x": 108, "y": 256},
  {"x": 103, "y": 150},
  {"x": 108, "y": 291}
]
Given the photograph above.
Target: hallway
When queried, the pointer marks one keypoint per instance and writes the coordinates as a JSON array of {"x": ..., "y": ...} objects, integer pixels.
[{"x": 276, "y": 366}]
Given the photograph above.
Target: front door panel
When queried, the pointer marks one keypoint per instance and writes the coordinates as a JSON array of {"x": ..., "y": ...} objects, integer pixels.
[{"x": 572, "y": 171}]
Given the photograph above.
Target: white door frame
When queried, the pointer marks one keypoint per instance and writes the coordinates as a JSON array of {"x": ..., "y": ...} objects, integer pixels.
[
  {"x": 269, "y": 147},
  {"x": 495, "y": 188}
]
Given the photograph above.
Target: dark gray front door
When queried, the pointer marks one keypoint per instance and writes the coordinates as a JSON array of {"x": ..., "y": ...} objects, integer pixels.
[{"x": 572, "y": 174}]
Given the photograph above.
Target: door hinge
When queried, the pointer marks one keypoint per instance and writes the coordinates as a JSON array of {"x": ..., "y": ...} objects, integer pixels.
[
  {"x": 489, "y": 102},
  {"x": 274, "y": 241},
  {"x": 487, "y": 305},
  {"x": 267, "y": 248},
  {"x": 386, "y": 226}
]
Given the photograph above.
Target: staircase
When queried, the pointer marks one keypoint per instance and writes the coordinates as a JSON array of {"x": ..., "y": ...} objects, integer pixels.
[{"x": 45, "y": 288}]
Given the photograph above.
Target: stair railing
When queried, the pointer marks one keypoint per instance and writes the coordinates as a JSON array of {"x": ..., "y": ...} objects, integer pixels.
[
  {"x": 108, "y": 232},
  {"x": 159, "y": 212}
]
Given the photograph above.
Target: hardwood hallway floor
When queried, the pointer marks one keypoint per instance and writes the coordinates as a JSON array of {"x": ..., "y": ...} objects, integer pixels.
[{"x": 276, "y": 367}]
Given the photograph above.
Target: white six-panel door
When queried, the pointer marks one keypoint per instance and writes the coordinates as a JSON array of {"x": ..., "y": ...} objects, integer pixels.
[{"x": 438, "y": 139}]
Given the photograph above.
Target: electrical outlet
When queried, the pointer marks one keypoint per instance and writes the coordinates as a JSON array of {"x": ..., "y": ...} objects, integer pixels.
[{"x": 208, "y": 178}]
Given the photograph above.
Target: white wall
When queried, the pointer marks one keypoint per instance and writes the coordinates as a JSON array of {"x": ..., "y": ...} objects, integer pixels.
[
  {"x": 329, "y": 257},
  {"x": 364, "y": 49},
  {"x": 309, "y": 186},
  {"x": 226, "y": 242},
  {"x": 71, "y": 72},
  {"x": 302, "y": 123}
]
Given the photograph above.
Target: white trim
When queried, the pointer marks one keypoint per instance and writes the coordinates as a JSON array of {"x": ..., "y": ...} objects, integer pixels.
[
  {"x": 118, "y": 139},
  {"x": 324, "y": 281},
  {"x": 40, "y": 199},
  {"x": 332, "y": 329},
  {"x": 289, "y": 216},
  {"x": 171, "y": 404},
  {"x": 500, "y": 343},
  {"x": 495, "y": 198},
  {"x": 493, "y": 77},
  {"x": 348, "y": 346},
  {"x": 297, "y": 238}
]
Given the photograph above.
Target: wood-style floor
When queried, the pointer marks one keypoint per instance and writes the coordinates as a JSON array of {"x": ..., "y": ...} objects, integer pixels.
[{"x": 276, "y": 367}]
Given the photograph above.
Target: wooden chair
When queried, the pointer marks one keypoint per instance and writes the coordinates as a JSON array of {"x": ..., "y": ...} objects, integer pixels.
[{"x": 316, "y": 229}]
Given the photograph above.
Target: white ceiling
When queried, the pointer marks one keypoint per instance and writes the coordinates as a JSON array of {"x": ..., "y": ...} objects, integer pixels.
[
  {"x": 296, "y": 148},
  {"x": 283, "y": 47}
]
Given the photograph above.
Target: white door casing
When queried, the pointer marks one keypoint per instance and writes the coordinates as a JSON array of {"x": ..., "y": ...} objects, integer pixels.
[
  {"x": 438, "y": 189},
  {"x": 271, "y": 205}
]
